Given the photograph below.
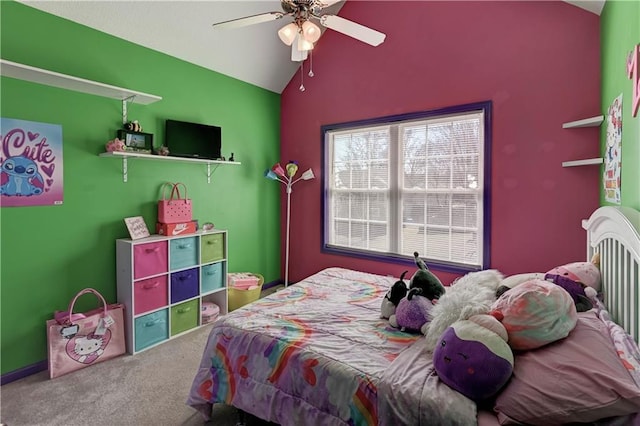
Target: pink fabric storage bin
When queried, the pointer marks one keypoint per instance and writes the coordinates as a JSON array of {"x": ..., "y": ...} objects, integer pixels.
[
  {"x": 150, "y": 294},
  {"x": 149, "y": 259},
  {"x": 242, "y": 281}
]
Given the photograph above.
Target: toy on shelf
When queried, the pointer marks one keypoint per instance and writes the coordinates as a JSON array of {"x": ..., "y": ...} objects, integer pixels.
[
  {"x": 115, "y": 145},
  {"x": 133, "y": 126}
]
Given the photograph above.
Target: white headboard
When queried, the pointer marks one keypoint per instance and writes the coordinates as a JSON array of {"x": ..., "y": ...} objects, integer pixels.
[{"x": 614, "y": 232}]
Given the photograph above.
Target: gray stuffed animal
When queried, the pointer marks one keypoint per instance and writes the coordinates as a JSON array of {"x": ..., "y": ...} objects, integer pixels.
[{"x": 423, "y": 279}]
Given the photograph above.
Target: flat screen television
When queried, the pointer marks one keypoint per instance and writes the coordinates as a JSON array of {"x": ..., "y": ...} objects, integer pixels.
[{"x": 193, "y": 140}]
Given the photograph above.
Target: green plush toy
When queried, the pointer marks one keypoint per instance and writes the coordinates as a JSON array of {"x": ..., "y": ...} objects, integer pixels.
[{"x": 423, "y": 279}]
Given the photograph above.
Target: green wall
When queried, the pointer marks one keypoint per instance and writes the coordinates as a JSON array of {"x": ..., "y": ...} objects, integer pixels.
[
  {"x": 620, "y": 32},
  {"x": 48, "y": 253}
]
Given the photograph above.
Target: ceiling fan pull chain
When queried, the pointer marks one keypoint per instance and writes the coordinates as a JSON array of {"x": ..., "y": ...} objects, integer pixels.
[
  {"x": 311, "y": 74},
  {"x": 302, "y": 89}
]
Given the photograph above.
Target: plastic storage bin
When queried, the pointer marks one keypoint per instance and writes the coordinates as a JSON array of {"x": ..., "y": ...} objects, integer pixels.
[
  {"x": 209, "y": 312},
  {"x": 240, "y": 296}
]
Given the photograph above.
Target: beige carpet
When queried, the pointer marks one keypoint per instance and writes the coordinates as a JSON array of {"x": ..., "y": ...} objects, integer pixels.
[{"x": 149, "y": 388}]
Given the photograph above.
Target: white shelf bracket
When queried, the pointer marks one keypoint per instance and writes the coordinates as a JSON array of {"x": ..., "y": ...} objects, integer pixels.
[
  {"x": 210, "y": 172},
  {"x": 124, "y": 107},
  {"x": 125, "y": 169}
]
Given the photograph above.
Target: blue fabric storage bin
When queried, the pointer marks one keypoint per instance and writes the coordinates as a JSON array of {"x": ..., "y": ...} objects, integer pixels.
[
  {"x": 151, "y": 329},
  {"x": 212, "y": 277},
  {"x": 185, "y": 284},
  {"x": 183, "y": 253}
]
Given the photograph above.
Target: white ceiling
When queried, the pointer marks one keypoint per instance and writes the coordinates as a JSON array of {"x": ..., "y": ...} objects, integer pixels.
[{"x": 182, "y": 29}]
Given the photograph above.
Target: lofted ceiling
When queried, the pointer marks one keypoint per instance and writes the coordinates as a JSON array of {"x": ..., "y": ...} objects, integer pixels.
[{"x": 182, "y": 29}]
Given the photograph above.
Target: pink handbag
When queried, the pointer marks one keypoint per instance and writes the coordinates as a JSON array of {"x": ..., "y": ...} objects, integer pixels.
[
  {"x": 84, "y": 339},
  {"x": 175, "y": 209}
]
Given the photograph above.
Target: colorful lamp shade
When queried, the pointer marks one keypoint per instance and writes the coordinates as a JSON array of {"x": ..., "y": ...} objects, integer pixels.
[
  {"x": 308, "y": 175},
  {"x": 292, "y": 168},
  {"x": 269, "y": 174},
  {"x": 277, "y": 169}
]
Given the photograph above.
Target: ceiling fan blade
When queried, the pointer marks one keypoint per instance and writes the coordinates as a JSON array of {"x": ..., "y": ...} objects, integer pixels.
[
  {"x": 248, "y": 20},
  {"x": 327, "y": 3},
  {"x": 353, "y": 29}
]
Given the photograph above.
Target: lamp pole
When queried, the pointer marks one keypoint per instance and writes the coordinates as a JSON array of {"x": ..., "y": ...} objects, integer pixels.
[
  {"x": 286, "y": 178},
  {"x": 286, "y": 255}
]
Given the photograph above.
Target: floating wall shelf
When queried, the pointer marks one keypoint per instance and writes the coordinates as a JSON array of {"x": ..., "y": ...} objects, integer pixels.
[
  {"x": 63, "y": 81},
  {"x": 587, "y": 122},
  {"x": 124, "y": 155},
  {"x": 582, "y": 162}
]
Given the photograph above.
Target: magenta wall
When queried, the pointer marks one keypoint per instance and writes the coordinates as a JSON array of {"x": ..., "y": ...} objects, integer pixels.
[{"x": 538, "y": 62}]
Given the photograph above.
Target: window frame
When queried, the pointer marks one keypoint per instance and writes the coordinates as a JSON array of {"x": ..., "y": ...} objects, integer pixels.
[{"x": 486, "y": 108}]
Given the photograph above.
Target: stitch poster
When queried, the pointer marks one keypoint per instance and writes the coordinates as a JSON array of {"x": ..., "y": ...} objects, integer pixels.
[
  {"x": 30, "y": 163},
  {"x": 613, "y": 156}
]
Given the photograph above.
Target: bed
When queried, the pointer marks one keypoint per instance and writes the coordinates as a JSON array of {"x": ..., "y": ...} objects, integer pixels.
[{"x": 318, "y": 353}]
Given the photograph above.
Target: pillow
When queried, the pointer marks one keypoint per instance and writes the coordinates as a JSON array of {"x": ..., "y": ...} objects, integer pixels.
[
  {"x": 535, "y": 313},
  {"x": 515, "y": 280},
  {"x": 577, "y": 379}
]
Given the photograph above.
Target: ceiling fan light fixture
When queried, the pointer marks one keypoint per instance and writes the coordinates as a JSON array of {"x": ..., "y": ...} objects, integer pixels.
[
  {"x": 304, "y": 44},
  {"x": 288, "y": 33},
  {"x": 311, "y": 31},
  {"x": 298, "y": 55}
]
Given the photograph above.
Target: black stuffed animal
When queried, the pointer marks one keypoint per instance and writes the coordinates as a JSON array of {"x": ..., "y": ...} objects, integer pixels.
[
  {"x": 395, "y": 294},
  {"x": 423, "y": 279}
]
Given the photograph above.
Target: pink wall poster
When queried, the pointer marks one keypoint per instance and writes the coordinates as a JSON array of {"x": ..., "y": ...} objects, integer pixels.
[
  {"x": 30, "y": 163},
  {"x": 613, "y": 155}
]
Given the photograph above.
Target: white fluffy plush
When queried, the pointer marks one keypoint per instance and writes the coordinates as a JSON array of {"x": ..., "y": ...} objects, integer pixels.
[{"x": 469, "y": 295}]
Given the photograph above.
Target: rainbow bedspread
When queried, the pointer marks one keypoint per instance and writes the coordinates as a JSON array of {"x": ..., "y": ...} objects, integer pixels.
[{"x": 313, "y": 353}]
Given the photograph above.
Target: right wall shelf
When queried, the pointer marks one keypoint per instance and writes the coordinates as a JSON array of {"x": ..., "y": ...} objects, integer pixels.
[{"x": 587, "y": 122}]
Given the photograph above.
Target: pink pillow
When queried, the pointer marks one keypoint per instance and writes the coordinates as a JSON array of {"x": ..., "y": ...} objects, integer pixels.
[
  {"x": 577, "y": 379},
  {"x": 535, "y": 313}
]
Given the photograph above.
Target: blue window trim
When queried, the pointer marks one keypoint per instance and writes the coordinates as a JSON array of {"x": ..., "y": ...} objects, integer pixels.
[{"x": 486, "y": 107}]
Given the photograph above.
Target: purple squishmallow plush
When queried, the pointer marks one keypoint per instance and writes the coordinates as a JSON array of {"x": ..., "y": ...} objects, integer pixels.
[
  {"x": 472, "y": 357},
  {"x": 413, "y": 313},
  {"x": 581, "y": 280}
]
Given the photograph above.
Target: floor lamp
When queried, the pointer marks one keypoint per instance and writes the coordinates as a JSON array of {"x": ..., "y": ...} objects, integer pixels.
[{"x": 286, "y": 177}]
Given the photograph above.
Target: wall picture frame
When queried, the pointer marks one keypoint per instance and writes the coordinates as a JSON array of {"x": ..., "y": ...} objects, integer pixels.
[
  {"x": 33, "y": 152},
  {"x": 137, "y": 227},
  {"x": 136, "y": 141}
]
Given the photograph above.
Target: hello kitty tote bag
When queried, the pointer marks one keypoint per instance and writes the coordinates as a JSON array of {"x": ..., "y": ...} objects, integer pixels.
[{"x": 79, "y": 340}]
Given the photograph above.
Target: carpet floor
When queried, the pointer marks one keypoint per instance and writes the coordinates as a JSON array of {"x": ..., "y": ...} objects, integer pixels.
[{"x": 149, "y": 388}]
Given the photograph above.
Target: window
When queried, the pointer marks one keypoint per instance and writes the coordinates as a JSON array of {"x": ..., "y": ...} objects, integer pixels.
[{"x": 415, "y": 182}]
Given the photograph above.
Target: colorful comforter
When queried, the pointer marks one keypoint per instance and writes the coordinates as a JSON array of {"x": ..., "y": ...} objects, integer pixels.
[
  {"x": 317, "y": 353},
  {"x": 313, "y": 353}
]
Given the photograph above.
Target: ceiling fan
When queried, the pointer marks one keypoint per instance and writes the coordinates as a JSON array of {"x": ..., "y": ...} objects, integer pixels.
[{"x": 302, "y": 33}]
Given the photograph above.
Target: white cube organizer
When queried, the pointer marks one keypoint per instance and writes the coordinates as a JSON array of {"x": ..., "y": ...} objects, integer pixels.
[{"x": 165, "y": 283}]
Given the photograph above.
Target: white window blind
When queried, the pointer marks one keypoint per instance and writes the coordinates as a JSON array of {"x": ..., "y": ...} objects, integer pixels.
[{"x": 409, "y": 185}]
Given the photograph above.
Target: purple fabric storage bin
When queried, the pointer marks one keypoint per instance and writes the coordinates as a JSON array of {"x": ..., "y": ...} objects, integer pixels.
[{"x": 184, "y": 284}]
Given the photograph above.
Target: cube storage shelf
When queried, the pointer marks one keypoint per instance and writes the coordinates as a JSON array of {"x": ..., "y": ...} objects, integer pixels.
[{"x": 163, "y": 281}]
